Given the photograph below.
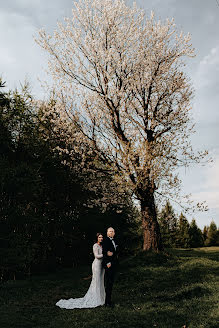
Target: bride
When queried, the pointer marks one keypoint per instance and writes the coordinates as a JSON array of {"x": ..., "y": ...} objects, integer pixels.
[{"x": 95, "y": 295}]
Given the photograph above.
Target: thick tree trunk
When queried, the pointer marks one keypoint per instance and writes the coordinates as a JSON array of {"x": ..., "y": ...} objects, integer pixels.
[{"x": 151, "y": 230}]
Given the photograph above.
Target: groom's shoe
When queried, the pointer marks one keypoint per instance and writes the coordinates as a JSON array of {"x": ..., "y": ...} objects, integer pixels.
[
  {"x": 106, "y": 304},
  {"x": 111, "y": 305}
]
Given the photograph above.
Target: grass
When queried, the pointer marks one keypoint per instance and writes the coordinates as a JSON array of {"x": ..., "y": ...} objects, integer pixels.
[{"x": 151, "y": 290}]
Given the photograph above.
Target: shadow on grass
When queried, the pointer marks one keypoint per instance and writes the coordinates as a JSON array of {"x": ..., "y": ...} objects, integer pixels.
[
  {"x": 171, "y": 289},
  {"x": 211, "y": 253}
]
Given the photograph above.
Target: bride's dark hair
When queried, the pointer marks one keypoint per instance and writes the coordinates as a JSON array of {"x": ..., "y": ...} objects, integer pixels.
[{"x": 97, "y": 235}]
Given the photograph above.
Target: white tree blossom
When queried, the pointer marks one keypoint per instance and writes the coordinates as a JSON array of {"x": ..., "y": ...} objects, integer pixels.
[{"x": 132, "y": 99}]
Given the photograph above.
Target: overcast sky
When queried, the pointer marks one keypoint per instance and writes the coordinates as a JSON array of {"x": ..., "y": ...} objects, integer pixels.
[{"x": 21, "y": 57}]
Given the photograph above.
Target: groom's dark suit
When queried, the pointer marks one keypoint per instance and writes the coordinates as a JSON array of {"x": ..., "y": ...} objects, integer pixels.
[{"x": 109, "y": 272}]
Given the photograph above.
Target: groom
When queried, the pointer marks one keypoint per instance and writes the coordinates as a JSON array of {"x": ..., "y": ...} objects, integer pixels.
[{"x": 109, "y": 263}]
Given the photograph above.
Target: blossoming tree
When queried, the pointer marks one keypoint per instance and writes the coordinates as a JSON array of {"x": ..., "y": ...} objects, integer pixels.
[{"x": 121, "y": 80}]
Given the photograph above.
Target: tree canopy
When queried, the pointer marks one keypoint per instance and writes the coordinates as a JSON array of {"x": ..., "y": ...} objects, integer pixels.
[{"x": 119, "y": 76}]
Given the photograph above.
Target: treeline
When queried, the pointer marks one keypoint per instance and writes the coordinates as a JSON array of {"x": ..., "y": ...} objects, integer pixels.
[
  {"x": 48, "y": 215},
  {"x": 178, "y": 232}
]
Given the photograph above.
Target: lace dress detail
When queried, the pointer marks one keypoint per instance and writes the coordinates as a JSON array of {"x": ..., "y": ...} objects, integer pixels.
[{"x": 95, "y": 295}]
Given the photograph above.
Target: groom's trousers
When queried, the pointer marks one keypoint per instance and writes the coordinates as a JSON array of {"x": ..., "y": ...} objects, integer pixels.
[{"x": 109, "y": 279}]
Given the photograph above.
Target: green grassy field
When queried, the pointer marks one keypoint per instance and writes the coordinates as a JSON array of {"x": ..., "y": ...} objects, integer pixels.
[{"x": 153, "y": 290}]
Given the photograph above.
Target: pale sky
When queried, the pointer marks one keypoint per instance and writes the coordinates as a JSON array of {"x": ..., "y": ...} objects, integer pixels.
[{"x": 21, "y": 57}]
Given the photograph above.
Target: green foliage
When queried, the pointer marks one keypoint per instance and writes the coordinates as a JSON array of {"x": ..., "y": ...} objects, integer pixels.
[
  {"x": 39, "y": 196},
  {"x": 205, "y": 233},
  {"x": 196, "y": 237},
  {"x": 212, "y": 235},
  {"x": 168, "y": 225},
  {"x": 183, "y": 238},
  {"x": 45, "y": 218},
  {"x": 178, "y": 232}
]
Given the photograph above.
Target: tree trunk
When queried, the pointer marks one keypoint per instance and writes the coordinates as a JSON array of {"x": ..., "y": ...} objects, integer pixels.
[{"x": 151, "y": 230}]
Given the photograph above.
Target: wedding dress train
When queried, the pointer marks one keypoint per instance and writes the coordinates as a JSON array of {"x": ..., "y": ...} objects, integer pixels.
[{"x": 95, "y": 295}]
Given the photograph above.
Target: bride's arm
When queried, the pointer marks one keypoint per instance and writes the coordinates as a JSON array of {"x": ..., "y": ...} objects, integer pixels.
[{"x": 96, "y": 254}]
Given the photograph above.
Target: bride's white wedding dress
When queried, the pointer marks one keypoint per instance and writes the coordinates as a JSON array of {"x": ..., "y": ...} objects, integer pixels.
[{"x": 95, "y": 295}]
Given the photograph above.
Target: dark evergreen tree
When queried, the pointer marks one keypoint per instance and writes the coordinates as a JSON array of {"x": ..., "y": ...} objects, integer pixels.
[
  {"x": 205, "y": 233},
  {"x": 195, "y": 235},
  {"x": 212, "y": 235},
  {"x": 183, "y": 239},
  {"x": 168, "y": 225}
]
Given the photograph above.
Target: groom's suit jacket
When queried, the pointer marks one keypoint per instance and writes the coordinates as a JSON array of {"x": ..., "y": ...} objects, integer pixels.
[{"x": 108, "y": 246}]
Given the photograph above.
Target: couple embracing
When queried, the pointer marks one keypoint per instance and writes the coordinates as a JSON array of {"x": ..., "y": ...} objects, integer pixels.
[{"x": 103, "y": 270}]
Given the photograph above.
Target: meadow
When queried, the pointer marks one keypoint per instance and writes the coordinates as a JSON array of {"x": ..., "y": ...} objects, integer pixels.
[{"x": 174, "y": 289}]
